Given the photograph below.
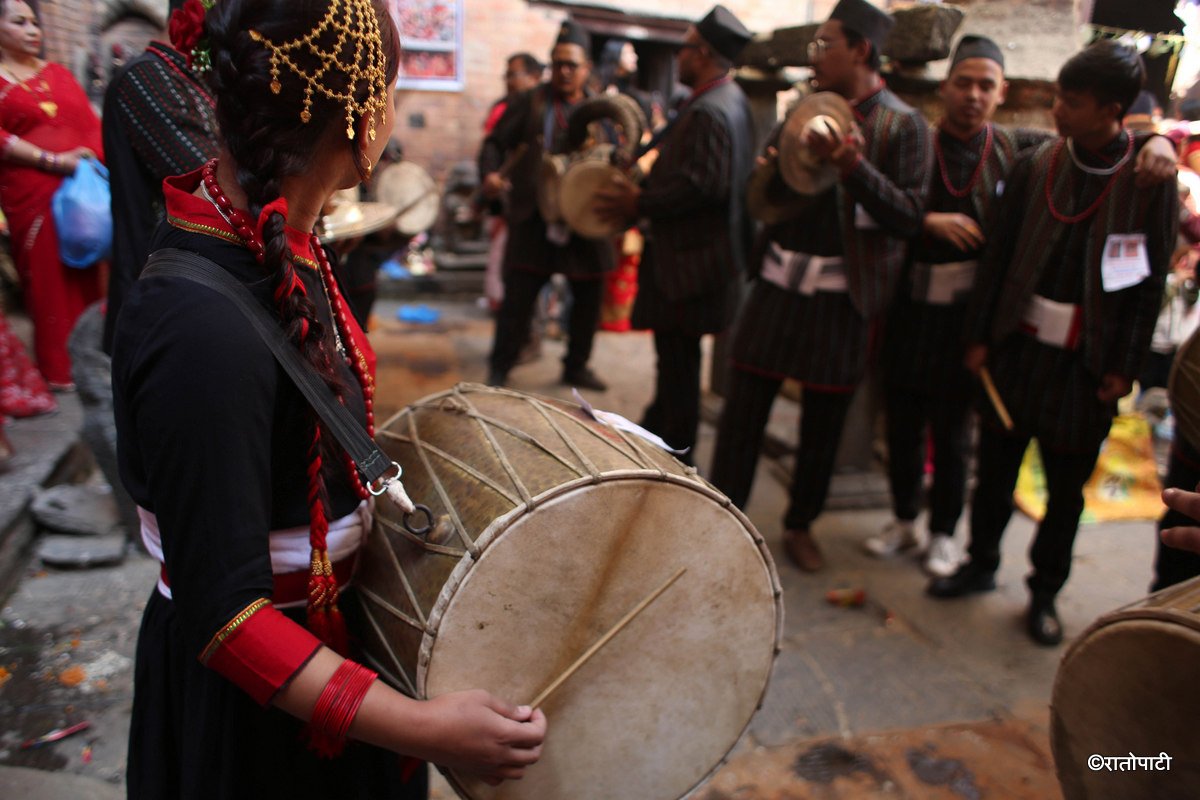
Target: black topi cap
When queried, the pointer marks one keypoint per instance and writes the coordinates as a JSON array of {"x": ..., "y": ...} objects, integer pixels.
[
  {"x": 724, "y": 32},
  {"x": 971, "y": 46},
  {"x": 572, "y": 32},
  {"x": 864, "y": 19}
]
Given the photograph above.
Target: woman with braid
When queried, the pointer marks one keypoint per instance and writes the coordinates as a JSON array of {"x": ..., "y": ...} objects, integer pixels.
[{"x": 246, "y": 683}]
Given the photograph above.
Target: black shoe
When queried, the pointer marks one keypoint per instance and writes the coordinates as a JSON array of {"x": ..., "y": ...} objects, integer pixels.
[
  {"x": 583, "y": 378},
  {"x": 969, "y": 579},
  {"x": 1042, "y": 622},
  {"x": 497, "y": 379}
]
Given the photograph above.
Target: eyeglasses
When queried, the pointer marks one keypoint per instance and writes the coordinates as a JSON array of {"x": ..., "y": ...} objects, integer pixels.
[
  {"x": 817, "y": 48},
  {"x": 566, "y": 66}
]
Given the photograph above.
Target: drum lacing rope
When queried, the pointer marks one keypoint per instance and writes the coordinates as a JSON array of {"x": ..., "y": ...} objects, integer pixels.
[
  {"x": 399, "y": 676},
  {"x": 421, "y": 623},
  {"x": 574, "y": 448},
  {"x": 460, "y": 464},
  {"x": 459, "y": 528},
  {"x": 420, "y": 541},
  {"x": 634, "y": 453}
]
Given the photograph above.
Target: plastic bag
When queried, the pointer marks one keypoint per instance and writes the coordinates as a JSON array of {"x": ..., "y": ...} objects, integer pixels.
[{"x": 83, "y": 215}]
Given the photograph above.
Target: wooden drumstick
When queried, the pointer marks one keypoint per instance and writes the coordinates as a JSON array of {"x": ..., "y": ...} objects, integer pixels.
[
  {"x": 603, "y": 640},
  {"x": 994, "y": 396}
]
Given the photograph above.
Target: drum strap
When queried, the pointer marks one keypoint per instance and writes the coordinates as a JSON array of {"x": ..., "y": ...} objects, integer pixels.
[{"x": 370, "y": 460}]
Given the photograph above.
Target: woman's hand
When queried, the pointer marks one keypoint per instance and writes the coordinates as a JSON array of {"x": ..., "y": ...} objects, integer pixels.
[
  {"x": 68, "y": 162},
  {"x": 475, "y": 732}
]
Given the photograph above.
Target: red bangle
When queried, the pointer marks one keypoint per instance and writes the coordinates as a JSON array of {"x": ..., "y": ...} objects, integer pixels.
[{"x": 336, "y": 707}]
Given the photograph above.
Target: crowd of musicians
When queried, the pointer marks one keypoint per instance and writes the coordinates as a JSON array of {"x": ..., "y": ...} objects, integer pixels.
[{"x": 954, "y": 257}]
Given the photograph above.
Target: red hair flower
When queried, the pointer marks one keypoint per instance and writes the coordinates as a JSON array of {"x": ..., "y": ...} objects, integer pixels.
[{"x": 187, "y": 27}]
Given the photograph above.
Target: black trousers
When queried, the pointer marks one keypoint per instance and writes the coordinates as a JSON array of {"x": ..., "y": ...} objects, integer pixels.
[
  {"x": 521, "y": 289},
  {"x": 739, "y": 440},
  {"x": 1172, "y": 565},
  {"x": 674, "y": 414},
  {"x": 1000, "y": 458},
  {"x": 909, "y": 415}
]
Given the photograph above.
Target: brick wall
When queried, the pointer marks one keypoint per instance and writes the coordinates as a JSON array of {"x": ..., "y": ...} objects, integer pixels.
[{"x": 68, "y": 30}]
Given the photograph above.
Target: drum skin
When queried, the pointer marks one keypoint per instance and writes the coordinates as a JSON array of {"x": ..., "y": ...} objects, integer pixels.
[
  {"x": 1130, "y": 685},
  {"x": 551, "y": 527},
  {"x": 412, "y": 192},
  {"x": 576, "y": 198}
]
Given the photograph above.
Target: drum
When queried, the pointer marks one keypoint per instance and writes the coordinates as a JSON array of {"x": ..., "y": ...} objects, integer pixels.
[
  {"x": 577, "y": 193},
  {"x": 549, "y": 178},
  {"x": 410, "y": 190},
  {"x": 550, "y": 528},
  {"x": 1125, "y": 698}
]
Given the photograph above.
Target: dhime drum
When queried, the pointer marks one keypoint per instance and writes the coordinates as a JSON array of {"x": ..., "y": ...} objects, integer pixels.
[
  {"x": 551, "y": 528},
  {"x": 410, "y": 190},
  {"x": 594, "y": 162},
  {"x": 1123, "y": 712}
]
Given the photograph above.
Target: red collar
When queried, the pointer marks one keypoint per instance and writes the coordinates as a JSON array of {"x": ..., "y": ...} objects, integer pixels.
[{"x": 196, "y": 214}]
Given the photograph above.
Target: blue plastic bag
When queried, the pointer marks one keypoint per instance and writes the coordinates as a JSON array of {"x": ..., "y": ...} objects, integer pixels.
[{"x": 83, "y": 215}]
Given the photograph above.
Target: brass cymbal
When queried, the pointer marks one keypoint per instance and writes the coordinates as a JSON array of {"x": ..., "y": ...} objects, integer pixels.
[
  {"x": 801, "y": 169},
  {"x": 768, "y": 201},
  {"x": 350, "y": 220}
]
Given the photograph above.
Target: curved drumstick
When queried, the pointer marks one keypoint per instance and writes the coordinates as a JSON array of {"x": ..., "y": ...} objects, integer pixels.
[
  {"x": 603, "y": 640},
  {"x": 994, "y": 396}
]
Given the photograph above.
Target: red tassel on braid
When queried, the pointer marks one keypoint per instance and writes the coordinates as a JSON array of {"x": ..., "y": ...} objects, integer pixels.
[{"x": 324, "y": 618}]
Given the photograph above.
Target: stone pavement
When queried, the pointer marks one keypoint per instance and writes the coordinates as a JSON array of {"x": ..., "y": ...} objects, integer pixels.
[{"x": 905, "y": 697}]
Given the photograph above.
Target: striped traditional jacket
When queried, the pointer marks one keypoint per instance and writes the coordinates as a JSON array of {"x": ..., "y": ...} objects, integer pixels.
[
  {"x": 1116, "y": 325},
  {"x": 891, "y": 184},
  {"x": 694, "y": 196}
]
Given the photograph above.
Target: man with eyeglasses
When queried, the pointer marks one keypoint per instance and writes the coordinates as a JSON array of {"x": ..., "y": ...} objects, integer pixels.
[
  {"x": 697, "y": 232},
  {"x": 536, "y": 121},
  {"x": 820, "y": 328}
]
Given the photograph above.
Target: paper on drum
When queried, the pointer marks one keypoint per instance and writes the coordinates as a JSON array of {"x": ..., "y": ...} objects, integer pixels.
[{"x": 571, "y": 523}]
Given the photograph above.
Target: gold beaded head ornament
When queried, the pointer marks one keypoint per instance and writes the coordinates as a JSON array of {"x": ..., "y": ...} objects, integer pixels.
[{"x": 357, "y": 39}]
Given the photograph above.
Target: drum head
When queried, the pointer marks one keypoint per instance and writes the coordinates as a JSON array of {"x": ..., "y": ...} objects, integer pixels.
[
  {"x": 1128, "y": 687},
  {"x": 412, "y": 192},
  {"x": 548, "y": 180},
  {"x": 577, "y": 198},
  {"x": 572, "y": 525}
]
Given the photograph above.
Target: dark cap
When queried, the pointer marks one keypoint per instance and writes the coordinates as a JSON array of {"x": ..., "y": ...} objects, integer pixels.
[
  {"x": 724, "y": 32},
  {"x": 971, "y": 46},
  {"x": 572, "y": 32},
  {"x": 864, "y": 19}
]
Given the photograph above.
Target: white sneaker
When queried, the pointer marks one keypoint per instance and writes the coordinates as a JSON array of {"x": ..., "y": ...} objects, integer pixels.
[
  {"x": 896, "y": 537},
  {"x": 944, "y": 555}
]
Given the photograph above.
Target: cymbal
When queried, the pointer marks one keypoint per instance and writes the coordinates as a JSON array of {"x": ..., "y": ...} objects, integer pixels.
[
  {"x": 768, "y": 206},
  {"x": 349, "y": 220},
  {"x": 801, "y": 170}
]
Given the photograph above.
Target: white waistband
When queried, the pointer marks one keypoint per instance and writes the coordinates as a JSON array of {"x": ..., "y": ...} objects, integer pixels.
[
  {"x": 942, "y": 284},
  {"x": 290, "y": 549},
  {"x": 1052, "y": 322},
  {"x": 803, "y": 273}
]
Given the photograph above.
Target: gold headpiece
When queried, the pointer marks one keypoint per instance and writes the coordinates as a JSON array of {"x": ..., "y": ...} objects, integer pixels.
[{"x": 356, "y": 28}]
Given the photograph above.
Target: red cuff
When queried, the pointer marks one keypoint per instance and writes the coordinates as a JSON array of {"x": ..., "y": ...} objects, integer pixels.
[{"x": 260, "y": 650}]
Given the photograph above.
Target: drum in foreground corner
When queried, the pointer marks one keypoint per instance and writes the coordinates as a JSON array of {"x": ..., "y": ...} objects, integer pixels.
[
  {"x": 550, "y": 528},
  {"x": 1125, "y": 699}
]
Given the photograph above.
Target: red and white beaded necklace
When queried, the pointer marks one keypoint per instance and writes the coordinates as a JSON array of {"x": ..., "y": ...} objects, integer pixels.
[{"x": 240, "y": 222}]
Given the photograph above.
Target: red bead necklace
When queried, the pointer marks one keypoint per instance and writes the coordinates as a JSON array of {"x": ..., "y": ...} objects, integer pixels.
[
  {"x": 941, "y": 160},
  {"x": 239, "y": 221},
  {"x": 1087, "y": 212}
]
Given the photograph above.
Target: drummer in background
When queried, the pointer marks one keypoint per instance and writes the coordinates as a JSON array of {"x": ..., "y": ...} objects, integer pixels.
[
  {"x": 925, "y": 382},
  {"x": 1062, "y": 312},
  {"x": 536, "y": 250},
  {"x": 860, "y": 229},
  {"x": 698, "y": 230},
  {"x": 522, "y": 72},
  {"x": 246, "y": 682}
]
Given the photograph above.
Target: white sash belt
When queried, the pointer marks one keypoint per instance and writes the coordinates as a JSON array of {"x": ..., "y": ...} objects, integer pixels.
[
  {"x": 1053, "y": 323},
  {"x": 290, "y": 549},
  {"x": 803, "y": 273},
  {"x": 942, "y": 284}
]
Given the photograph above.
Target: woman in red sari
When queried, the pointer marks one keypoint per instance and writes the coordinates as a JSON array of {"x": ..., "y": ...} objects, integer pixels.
[{"x": 46, "y": 128}]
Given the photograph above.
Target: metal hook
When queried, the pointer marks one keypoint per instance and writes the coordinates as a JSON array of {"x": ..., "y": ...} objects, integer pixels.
[{"x": 424, "y": 529}]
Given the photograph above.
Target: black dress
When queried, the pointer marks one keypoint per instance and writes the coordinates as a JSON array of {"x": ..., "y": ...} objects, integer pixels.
[{"x": 213, "y": 439}]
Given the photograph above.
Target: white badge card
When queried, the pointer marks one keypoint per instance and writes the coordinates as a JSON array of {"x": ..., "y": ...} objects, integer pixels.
[
  {"x": 1125, "y": 262},
  {"x": 863, "y": 220}
]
